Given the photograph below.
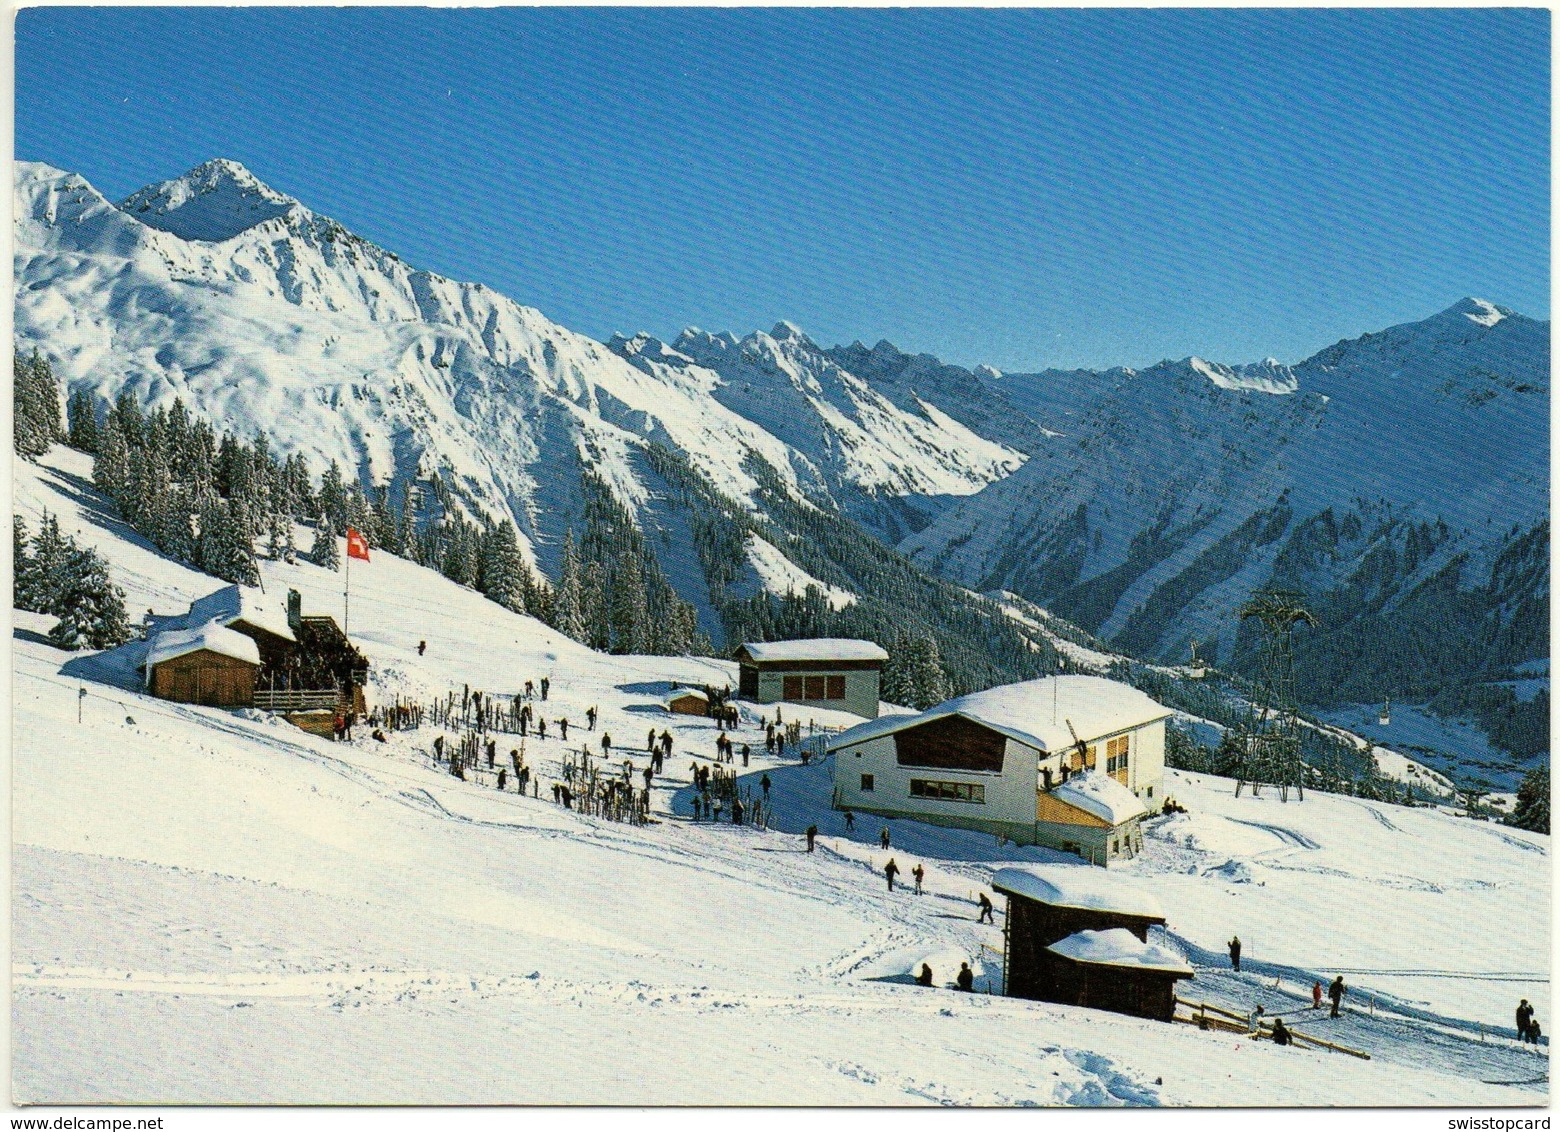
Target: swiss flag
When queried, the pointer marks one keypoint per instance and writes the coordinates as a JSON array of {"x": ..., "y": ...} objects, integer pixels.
[{"x": 357, "y": 545}]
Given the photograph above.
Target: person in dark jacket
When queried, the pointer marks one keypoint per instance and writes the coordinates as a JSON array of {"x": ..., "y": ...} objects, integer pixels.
[
  {"x": 546, "y": 683},
  {"x": 966, "y": 979},
  {"x": 563, "y": 729},
  {"x": 850, "y": 820},
  {"x": 766, "y": 784},
  {"x": 925, "y": 977},
  {"x": 590, "y": 717},
  {"x": 1235, "y": 953},
  {"x": 422, "y": 647},
  {"x": 1524, "y": 1018},
  {"x": 650, "y": 742},
  {"x": 1335, "y": 992},
  {"x": 891, "y": 870},
  {"x": 812, "y": 836},
  {"x": 920, "y": 874},
  {"x": 985, "y": 911},
  {"x": 883, "y": 837},
  {"x": 1281, "y": 1035}
]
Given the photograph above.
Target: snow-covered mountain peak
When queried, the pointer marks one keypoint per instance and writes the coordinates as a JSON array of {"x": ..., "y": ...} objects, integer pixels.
[
  {"x": 646, "y": 346},
  {"x": 213, "y": 202},
  {"x": 785, "y": 331},
  {"x": 1266, "y": 376},
  {"x": 1477, "y": 310}
]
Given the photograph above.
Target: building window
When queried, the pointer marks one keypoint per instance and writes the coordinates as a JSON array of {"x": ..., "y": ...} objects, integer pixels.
[
  {"x": 973, "y": 792},
  {"x": 1116, "y": 752},
  {"x": 836, "y": 688},
  {"x": 866, "y": 784},
  {"x": 795, "y": 688},
  {"x": 815, "y": 687}
]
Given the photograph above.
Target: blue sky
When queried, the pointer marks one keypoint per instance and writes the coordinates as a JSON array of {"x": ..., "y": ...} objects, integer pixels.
[{"x": 1021, "y": 188}]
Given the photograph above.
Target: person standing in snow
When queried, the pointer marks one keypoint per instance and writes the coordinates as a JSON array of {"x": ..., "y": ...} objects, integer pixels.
[
  {"x": 1524, "y": 1017},
  {"x": 966, "y": 979},
  {"x": 812, "y": 836},
  {"x": 919, "y": 873},
  {"x": 541, "y": 728},
  {"x": 1281, "y": 1035},
  {"x": 422, "y": 647},
  {"x": 546, "y": 683},
  {"x": 924, "y": 979},
  {"x": 744, "y": 754},
  {"x": 1335, "y": 992},
  {"x": 606, "y": 744},
  {"x": 883, "y": 837},
  {"x": 1235, "y": 953},
  {"x": 985, "y": 911},
  {"x": 765, "y": 783},
  {"x": 850, "y": 820},
  {"x": 530, "y": 689},
  {"x": 666, "y": 742},
  {"x": 590, "y": 717},
  {"x": 736, "y": 811},
  {"x": 563, "y": 729},
  {"x": 890, "y": 870},
  {"x": 1316, "y": 995},
  {"x": 769, "y": 743},
  {"x": 503, "y": 777}
]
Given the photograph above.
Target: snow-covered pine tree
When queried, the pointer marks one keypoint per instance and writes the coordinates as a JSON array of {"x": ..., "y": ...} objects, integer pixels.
[
  {"x": 503, "y": 570},
  {"x": 594, "y": 607},
  {"x": 51, "y": 564},
  {"x": 81, "y": 413},
  {"x": 568, "y": 611},
  {"x": 91, "y": 609},
  {"x": 24, "y": 579},
  {"x": 926, "y": 682},
  {"x": 325, "y": 552},
  {"x": 333, "y": 497},
  {"x": 629, "y": 613}
]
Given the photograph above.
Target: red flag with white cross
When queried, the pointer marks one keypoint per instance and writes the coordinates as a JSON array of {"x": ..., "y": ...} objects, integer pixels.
[{"x": 357, "y": 545}]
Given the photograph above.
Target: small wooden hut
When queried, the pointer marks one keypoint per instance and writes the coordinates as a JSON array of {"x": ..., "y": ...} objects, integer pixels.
[
  {"x": 209, "y": 664},
  {"x": 687, "y": 701},
  {"x": 1049, "y": 903},
  {"x": 1114, "y": 970}
]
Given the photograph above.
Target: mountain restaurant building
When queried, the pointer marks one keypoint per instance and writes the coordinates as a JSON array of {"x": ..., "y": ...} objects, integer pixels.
[
  {"x": 1080, "y": 936},
  {"x": 1071, "y": 762},
  {"x": 826, "y": 672}
]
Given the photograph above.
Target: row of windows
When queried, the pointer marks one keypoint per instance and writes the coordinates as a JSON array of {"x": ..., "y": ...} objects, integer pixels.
[
  {"x": 942, "y": 791},
  {"x": 1116, "y": 752},
  {"x": 814, "y": 688}
]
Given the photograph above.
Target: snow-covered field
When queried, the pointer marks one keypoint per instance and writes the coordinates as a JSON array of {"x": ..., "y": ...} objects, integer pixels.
[{"x": 215, "y": 908}]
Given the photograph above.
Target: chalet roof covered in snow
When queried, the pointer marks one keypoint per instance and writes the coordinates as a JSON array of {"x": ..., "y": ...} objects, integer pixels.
[
  {"x": 818, "y": 648},
  {"x": 1100, "y": 795},
  {"x": 1035, "y": 712},
  {"x": 213, "y": 636},
  {"x": 241, "y": 603},
  {"x": 1078, "y": 886},
  {"x": 1117, "y": 947},
  {"x": 679, "y": 693}
]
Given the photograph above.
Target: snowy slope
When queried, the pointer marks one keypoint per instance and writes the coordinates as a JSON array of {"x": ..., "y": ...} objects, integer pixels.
[{"x": 288, "y": 919}]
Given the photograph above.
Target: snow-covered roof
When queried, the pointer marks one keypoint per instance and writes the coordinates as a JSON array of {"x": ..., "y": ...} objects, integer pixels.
[
  {"x": 1036, "y": 712},
  {"x": 1078, "y": 886},
  {"x": 213, "y": 636},
  {"x": 1117, "y": 947},
  {"x": 1100, "y": 795},
  {"x": 819, "y": 648},
  {"x": 241, "y": 603},
  {"x": 679, "y": 693}
]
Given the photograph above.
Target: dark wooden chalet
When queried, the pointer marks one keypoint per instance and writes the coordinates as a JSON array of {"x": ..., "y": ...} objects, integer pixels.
[{"x": 1115, "y": 970}]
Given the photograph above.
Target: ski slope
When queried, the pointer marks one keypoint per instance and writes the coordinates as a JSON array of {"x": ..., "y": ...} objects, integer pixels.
[{"x": 213, "y": 907}]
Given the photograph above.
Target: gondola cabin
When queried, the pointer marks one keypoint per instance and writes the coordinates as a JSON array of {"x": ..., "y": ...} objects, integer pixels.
[{"x": 1080, "y": 936}]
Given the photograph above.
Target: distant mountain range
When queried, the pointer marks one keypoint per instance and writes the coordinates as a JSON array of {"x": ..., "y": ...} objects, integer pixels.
[{"x": 1401, "y": 478}]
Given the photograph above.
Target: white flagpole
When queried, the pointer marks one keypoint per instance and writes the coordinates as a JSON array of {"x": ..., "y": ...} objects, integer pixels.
[{"x": 346, "y": 594}]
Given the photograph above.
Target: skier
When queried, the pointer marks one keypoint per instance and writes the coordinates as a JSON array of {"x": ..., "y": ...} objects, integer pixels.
[
  {"x": 769, "y": 743},
  {"x": 1281, "y": 1035},
  {"x": 883, "y": 837},
  {"x": 503, "y": 777},
  {"x": 924, "y": 979},
  {"x": 764, "y": 782},
  {"x": 606, "y": 744},
  {"x": 422, "y": 647},
  {"x": 918, "y": 872},
  {"x": 666, "y": 742},
  {"x": 966, "y": 978},
  {"x": 590, "y": 717},
  {"x": 1335, "y": 992},
  {"x": 650, "y": 742},
  {"x": 1524, "y": 1020},
  {"x": 850, "y": 820},
  {"x": 736, "y": 811},
  {"x": 557, "y": 793},
  {"x": 563, "y": 729},
  {"x": 530, "y": 689},
  {"x": 1235, "y": 953},
  {"x": 438, "y": 748},
  {"x": 985, "y": 911},
  {"x": 890, "y": 870},
  {"x": 1535, "y": 1031},
  {"x": 744, "y": 754},
  {"x": 1316, "y": 995},
  {"x": 812, "y": 836},
  {"x": 546, "y": 683},
  {"x": 541, "y": 728}
]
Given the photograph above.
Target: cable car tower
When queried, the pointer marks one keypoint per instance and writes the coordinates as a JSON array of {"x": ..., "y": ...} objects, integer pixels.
[{"x": 1269, "y": 740}]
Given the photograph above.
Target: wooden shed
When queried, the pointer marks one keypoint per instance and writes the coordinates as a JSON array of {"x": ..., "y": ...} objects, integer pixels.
[
  {"x": 209, "y": 664},
  {"x": 687, "y": 701},
  {"x": 827, "y": 672},
  {"x": 1115, "y": 970},
  {"x": 1048, "y": 903}
]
